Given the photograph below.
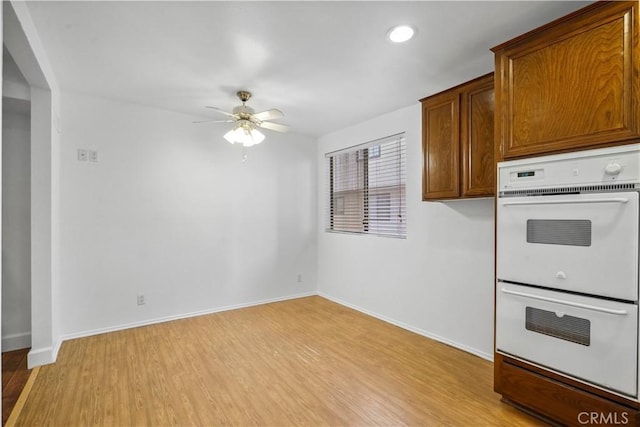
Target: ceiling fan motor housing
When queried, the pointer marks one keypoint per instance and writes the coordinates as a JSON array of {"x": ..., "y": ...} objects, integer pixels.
[
  {"x": 243, "y": 112},
  {"x": 243, "y": 95}
]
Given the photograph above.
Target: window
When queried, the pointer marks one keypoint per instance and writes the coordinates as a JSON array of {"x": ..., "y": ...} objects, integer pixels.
[
  {"x": 380, "y": 207},
  {"x": 366, "y": 188},
  {"x": 371, "y": 152}
]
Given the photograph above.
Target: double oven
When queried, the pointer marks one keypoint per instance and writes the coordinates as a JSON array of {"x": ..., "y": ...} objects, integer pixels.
[{"x": 567, "y": 265}]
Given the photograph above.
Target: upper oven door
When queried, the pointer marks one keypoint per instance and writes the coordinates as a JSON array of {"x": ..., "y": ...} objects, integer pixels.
[{"x": 585, "y": 243}]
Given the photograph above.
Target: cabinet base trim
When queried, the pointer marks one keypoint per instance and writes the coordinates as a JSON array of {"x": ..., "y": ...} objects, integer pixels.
[{"x": 556, "y": 401}]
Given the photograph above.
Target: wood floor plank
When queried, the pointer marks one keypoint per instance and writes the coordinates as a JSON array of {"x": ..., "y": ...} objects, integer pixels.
[
  {"x": 19, "y": 404},
  {"x": 14, "y": 377},
  {"x": 307, "y": 361}
]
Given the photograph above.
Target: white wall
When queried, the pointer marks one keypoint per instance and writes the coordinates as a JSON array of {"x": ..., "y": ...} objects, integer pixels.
[
  {"x": 172, "y": 212},
  {"x": 16, "y": 230},
  {"x": 439, "y": 280}
]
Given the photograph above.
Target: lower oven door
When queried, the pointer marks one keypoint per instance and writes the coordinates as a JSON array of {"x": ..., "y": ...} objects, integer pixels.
[{"x": 590, "y": 339}]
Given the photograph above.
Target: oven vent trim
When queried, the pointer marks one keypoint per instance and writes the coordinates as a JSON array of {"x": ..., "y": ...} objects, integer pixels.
[{"x": 582, "y": 189}]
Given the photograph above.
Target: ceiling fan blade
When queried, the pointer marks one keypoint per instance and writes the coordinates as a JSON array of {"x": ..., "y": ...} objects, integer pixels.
[
  {"x": 274, "y": 126},
  {"x": 220, "y": 110},
  {"x": 269, "y": 114},
  {"x": 214, "y": 121}
]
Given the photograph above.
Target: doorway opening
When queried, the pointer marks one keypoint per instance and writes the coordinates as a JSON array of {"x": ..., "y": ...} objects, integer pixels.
[{"x": 16, "y": 232}]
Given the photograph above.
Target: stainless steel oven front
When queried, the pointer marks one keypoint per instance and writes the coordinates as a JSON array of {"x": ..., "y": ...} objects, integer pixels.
[{"x": 567, "y": 265}]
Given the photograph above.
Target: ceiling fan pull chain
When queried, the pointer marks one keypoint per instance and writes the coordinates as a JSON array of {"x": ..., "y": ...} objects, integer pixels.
[{"x": 244, "y": 154}]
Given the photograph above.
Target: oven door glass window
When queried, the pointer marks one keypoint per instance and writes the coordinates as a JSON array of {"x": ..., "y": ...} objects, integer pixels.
[
  {"x": 565, "y": 327},
  {"x": 571, "y": 232}
]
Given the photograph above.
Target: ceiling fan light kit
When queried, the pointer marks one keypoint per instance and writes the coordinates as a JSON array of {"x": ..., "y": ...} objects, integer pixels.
[
  {"x": 246, "y": 120},
  {"x": 244, "y": 133}
]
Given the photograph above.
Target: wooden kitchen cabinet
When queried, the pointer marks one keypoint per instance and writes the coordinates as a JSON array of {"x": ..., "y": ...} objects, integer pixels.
[
  {"x": 571, "y": 84},
  {"x": 458, "y": 141}
]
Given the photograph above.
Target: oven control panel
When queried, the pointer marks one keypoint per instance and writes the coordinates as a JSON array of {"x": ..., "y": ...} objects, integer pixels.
[{"x": 613, "y": 165}]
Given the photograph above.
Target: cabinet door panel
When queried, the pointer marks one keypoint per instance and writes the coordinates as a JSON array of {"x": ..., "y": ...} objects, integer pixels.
[
  {"x": 477, "y": 136},
  {"x": 571, "y": 86},
  {"x": 440, "y": 118}
]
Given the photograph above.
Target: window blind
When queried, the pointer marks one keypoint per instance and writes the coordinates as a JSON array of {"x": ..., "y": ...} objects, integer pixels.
[{"x": 365, "y": 187}]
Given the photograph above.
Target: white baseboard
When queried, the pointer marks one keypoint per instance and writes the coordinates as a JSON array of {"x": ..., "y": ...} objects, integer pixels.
[
  {"x": 43, "y": 356},
  {"x": 48, "y": 355},
  {"x": 180, "y": 316},
  {"x": 418, "y": 331},
  {"x": 16, "y": 341}
]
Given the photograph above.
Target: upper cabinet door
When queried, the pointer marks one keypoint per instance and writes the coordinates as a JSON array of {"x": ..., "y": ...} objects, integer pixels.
[
  {"x": 441, "y": 146},
  {"x": 458, "y": 141},
  {"x": 477, "y": 138},
  {"x": 571, "y": 84}
]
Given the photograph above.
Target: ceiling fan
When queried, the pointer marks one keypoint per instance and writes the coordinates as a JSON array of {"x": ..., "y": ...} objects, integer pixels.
[{"x": 246, "y": 120}]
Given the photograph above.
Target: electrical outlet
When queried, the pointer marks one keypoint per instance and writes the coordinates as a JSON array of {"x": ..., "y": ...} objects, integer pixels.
[
  {"x": 140, "y": 299},
  {"x": 82, "y": 155},
  {"x": 92, "y": 156}
]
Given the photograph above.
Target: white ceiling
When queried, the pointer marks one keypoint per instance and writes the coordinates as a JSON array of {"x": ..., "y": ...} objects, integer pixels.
[{"x": 326, "y": 64}]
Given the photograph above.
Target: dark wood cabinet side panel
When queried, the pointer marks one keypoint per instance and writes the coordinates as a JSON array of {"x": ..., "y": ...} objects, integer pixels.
[
  {"x": 441, "y": 147},
  {"x": 497, "y": 368},
  {"x": 477, "y": 136}
]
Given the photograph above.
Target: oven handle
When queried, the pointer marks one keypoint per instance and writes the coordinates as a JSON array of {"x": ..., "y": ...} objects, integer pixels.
[
  {"x": 566, "y": 201},
  {"x": 570, "y": 303}
]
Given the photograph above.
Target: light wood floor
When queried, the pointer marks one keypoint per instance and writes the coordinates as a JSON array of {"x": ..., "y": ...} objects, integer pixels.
[{"x": 307, "y": 361}]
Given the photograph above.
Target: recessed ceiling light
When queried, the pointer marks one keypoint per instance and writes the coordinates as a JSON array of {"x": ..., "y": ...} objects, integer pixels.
[{"x": 401, "y": 33}]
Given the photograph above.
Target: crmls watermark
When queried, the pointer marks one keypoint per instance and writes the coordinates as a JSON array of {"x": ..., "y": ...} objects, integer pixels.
[{"x": 603, "y": 418}]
